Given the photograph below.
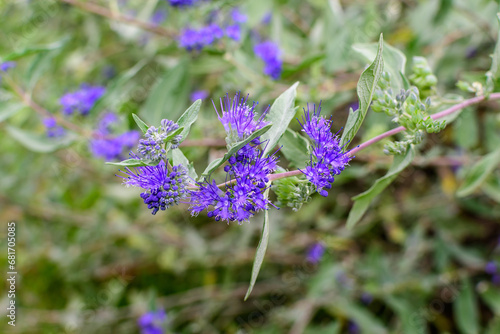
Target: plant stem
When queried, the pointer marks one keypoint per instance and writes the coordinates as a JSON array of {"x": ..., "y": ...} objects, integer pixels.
[{"x": 99, "y": 10}]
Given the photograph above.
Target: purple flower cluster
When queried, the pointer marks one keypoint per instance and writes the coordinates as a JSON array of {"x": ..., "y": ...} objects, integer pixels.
[
  {"x": 182, "y": 3},
  {"x": 270, "y": 53},
  {"x": 245, "y": 196},
  {"x": 152, "y": 147},
  {"x": 196, "y": 39},
  {"x": 4, "y": 67},
  {"x": 82, "y": 100},
  {"x": 163, "y": 187},
  {"x": 53, "y": 130},
  {"x": 491, "y": 268},
  {"x": 315, "y": 252},
  {"x": 327, "y": 158},
  {"x": 109, "y": 146},
  {"x": 152, "y": 322},
  {"x": 238, "y": 118},
  {"x": 192, "y": 39},
  {"x": 247, "y": 170}
]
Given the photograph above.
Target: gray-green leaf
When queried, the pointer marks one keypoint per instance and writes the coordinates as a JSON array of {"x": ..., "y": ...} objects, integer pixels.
[
  {"x": 465, "y": 310},
  {"x": 37, "y": 142},
  {"x": 363, "y": 200},
  {"x": 261, "y": 250},
  {"x": 366, "y": 88},
  {"x": 235, "y": 148},
  {"x": 134, "y": 163},
  {"x": 178, "y": 158},
  {"x": 281, "y": 113},
  {"x": 140, "y": 123},
  {"x": 188, "y": 118},
  {"x": 478, "y": 173},
  {"x": 294, "y": 148}
]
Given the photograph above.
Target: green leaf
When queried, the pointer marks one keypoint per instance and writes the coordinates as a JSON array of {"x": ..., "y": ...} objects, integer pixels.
[
  {"x": 167, "y": 97},
  {"x": 294, "y": 148},
  {"x": 140, "y": 123},
  {"x": 7, "y": 110},
  {"x": 34, "y": 50},
  {"x": 39, "y": 142},
  {"x": 465, "y": 309},
  {"x": 188, "y": 118},
  {"x": 394, "y": 62},
  {"x": 134, "y": 163},
  {"x": 366, "y": 88},
  {"x": 178, "y": 158},
  {"x": 363, "y": 200},
  {"x": 281, "y": 113},
  {"x": 495, "y": 61},
  {"x": 233, "y": 149},
  {"x": 491, "y": 296},
  {"x": 119, "y": 89},
  {"x": 478, "y": 173},
  {"x": 261, "y": 250},
  {"x": 173, "y": 134}
]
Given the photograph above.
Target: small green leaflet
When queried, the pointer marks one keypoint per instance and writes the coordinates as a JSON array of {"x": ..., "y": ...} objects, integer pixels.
[
  {"x": 140, "y": 123},
  {"x": 178, "y": 158},
  {"x": 261, "y": 250},
  {"x": 173, "y": 134},
  {"x": 366, "y": 87},
  {"x": 280, "y": 115},
  {"x": 188, "y": 118},
  {"x": 295, "y": 148},
  {"x": 363, "y": 200},
  {"x": 478, "y": 173},
  {"x": 134, "y": 163},
  {"x": 218, "y": 162}
]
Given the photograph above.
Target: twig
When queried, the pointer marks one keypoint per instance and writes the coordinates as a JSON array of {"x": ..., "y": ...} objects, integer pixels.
[{"x": 102, "y": 11}]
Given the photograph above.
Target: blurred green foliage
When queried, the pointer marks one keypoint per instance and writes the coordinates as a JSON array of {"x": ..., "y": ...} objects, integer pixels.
[{"x": 91, "y": 258}]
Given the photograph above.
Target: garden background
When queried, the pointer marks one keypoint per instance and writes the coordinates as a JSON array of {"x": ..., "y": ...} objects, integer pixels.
[{"x": 90, "y": 256}]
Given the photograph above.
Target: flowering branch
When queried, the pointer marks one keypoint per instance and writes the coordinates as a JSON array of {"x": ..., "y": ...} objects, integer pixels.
[
  {"x": 102, "y": 11},
  {"x": 444, "y": 113}
]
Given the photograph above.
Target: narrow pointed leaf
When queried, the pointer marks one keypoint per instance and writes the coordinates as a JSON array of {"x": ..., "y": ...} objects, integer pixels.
[
  {"x": 134, "y": 163},
  {"x": 280, "y": 115},
  {"x": 140, "y": 123},
  {"x": 478, "y": 173},
  {"x": 366, "y": 88},
  {"x": 363, "y": 200},
  {"x": 261, "y": 251},
  {"x": 233, "y": 149},
  {"x": 188, "y": 118}
]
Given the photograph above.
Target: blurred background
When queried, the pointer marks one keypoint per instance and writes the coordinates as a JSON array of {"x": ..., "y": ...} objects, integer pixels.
[{"x": 92, "y": 259}]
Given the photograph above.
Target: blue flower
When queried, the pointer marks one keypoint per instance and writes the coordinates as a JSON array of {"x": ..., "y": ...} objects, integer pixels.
[
  {"x": 182, "y": 3},
  {"x": 152, "y": 322},
  {"x": 192, "y": 39},
  {"x": 270, "y": 53},
  {"x": 491, "y": 268},
  {"x": 82, "y": 100},
  {"x": 109, "y": 146},
  {"x": 327, "y": 158},
  {"x": 315, "y": 252},
  {"x": 238, "y": 118},
  {"x": 152, "y": 147},
  {"x": 4, "y": 67},
  {"x": 53, "y": 130},
  {"x": 238, "y": 16},
  {"x": 233, "y": 32},
  {"x": 158, "y": 16},
  {"x": 198, "y": 95},
  {"x": 163, "y": 188}
]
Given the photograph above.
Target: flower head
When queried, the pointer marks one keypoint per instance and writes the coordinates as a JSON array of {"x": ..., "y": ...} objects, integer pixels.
[
  {"x": 53, "y": 130},
  {"x": 238, "y": 118},
  {"x": 152, "y": 322},
  {"x": 238, "y": 16},
  {"x": 152, "y": 147},
  {"x": 82, "y": 100},
  {"x": 270, "y": 53},
  {"x": 198, "y": 95},
  {"x": 192, "y": 39},
  {"x": 315, "y": 252},
  {"x": 234, "y": 32},
  {"x": 163, "y": 188},
  {"x": 327, "y": 159},
  {"x": 182, "y": 3},
  {"x": 4, "y": 67}
]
